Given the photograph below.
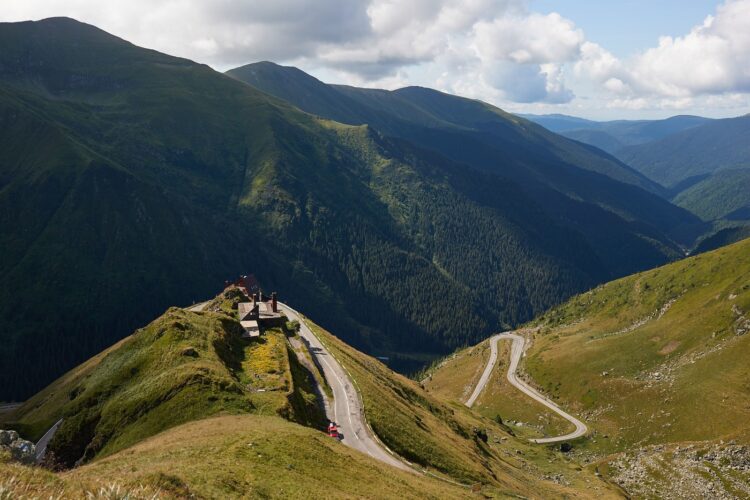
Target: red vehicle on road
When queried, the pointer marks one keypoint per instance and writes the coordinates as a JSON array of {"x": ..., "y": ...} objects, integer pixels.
[{"x": 333, "y": 431}]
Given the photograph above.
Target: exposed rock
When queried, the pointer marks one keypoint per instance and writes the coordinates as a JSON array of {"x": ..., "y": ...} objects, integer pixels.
[
  {"x": 711, "y": 471},
  {"x": 7, "y": 437},
  {"x": 190, "y": 351},
  {"x": 20, "y": 450}
]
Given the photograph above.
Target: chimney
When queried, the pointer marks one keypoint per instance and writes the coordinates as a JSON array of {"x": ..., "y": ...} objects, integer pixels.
[{"x": 274, "y": 304}]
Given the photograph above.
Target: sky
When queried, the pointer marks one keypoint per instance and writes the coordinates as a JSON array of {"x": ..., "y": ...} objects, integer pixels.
[{"x": 614, "y": 59}]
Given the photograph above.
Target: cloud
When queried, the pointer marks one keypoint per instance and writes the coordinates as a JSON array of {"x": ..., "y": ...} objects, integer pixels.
[
  {"x": 713, "y": 58},
  {"x": 532, "y": 38}
]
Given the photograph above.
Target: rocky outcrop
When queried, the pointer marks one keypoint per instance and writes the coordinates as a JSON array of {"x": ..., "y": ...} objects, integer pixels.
[
  {"x": 18, "y": 449},
  {"x": 685, "y": 472},
  {"x": 742, "y": 323}
]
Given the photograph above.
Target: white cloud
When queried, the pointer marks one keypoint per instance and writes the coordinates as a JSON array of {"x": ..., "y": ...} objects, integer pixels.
[
  {"x": 531, "y": 38},
  {"x": 713, "y": 58}
]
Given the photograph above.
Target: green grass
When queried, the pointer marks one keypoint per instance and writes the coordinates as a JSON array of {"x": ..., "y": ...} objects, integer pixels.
[
  {"x": 655, "y": 357},
  {"x": 183, "y": 443},
  {"x": 455, "y": 378}
]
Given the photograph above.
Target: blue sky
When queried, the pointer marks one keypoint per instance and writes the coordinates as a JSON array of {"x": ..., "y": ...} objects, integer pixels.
[
  {"x": 627, "y": 26},
  {"x": 596, "y": 59}
]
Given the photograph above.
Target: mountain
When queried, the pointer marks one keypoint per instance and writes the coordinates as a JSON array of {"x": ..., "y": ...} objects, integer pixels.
[
  {"x": 187, "y": 407},
  {"x": 500, "y": 142},
  {"x": 723, "y": 194},
  {"x": 716, "y": 145},
  {"x": 561, "y": 123},
  {"x": 597, "y": 138},
  {"x": 132, "y": 180},
  {"x": 723, "y": 237},
  {"x": 613, "y": 136},
  {"x": 550, "y": 168}
]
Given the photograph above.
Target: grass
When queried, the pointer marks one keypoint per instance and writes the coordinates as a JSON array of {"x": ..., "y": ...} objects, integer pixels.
[
  {"x": 259, "y": 457},
  {"x": 247, "y": 456},
  {"x": 182, "y": 367},
  {"x": 447, "y": 439},
  {"x": 455, "y": 378},
  {"x": 657, "y": 357}
]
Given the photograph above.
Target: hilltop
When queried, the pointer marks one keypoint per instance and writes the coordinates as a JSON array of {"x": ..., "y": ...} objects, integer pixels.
[{"x": 181, "y": 367}]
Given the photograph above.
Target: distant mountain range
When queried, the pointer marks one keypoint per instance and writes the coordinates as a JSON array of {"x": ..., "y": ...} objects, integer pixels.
[
  {"x": 408, "y": 222},
  {"x": 612, "y": 136},
  {"x": 703, "y": 163}
]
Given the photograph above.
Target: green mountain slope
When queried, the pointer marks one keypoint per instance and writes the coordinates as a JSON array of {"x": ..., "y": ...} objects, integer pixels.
[
  {"x": 657, "y": 357},
  {"x": 504, "y": 143},
  {"x": 656, "y": 366},
  {"x": 723, "y": 194},
  {"x": 613, "y": 136},
  {"x": 719, "y": 144},
  {"x": 564, "y": 177},
  {"x": 132, "y": 180},
  {"x": 597, "y": 138},
  {"x": 723, "y": 237}
]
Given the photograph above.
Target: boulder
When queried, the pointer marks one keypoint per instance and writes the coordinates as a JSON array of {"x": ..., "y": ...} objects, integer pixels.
[
  {"x": 23, "y": 451},
  {"x": 7, "y": 437},
  {"x": 19, "y": 449}
]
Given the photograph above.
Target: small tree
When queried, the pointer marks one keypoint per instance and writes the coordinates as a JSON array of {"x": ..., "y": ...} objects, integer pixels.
[{"x": 293, "y": 326}]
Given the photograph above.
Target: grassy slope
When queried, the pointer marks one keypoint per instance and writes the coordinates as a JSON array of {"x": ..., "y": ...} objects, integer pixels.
[
  {"x": 241, "y": 456},
  {"x": 262, "y": 454},
  {"x": 455, "y": 379},
  {"x": 655, "y": 357},
  {"x": 445, "y": 438},
  {"x": 181, "y": 367}
]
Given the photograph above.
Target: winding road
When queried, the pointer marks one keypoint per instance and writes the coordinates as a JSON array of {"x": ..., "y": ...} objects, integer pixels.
[
  {"x": 517, "y": 350},
  {"x": 346, "y": 409}
]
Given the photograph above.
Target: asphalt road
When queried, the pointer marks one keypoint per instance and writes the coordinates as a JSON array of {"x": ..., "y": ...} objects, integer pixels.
[
  {"x": 515, "y": 356},
  {"x": 346, "y": 409},
  {"x": 41, "y": 446},
  {"x": 8, "y": 407}
]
